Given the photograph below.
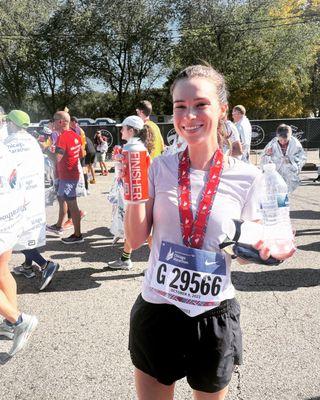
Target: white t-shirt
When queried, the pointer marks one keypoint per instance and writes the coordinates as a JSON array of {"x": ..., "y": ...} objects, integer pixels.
[
  {"x": 11, "y": 201},
  {"x": 233, "y": 134},
  {"x": 30, "y": 166},
  {"x": 236, "y": 198},
  {"x": 245, "y": 132}
]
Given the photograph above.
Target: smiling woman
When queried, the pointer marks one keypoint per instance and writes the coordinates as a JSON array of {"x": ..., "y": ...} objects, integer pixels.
[
  {"x": 186, "y": 321},
  {"x": 199, "y": 103}
]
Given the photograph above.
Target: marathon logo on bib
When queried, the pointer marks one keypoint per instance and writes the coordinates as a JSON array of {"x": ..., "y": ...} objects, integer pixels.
[
  {"x": 192, "y": 279},
  {"x": 192, "y": 259}
]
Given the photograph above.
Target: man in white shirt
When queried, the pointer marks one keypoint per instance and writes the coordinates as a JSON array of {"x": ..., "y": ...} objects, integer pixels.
[{"x": 244, "y": 128}]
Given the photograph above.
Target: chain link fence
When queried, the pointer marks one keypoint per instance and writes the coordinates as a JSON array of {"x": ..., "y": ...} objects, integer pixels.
[{"x": 307, "y": 130}]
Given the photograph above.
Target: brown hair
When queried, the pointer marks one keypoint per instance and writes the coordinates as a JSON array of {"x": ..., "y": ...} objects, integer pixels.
[
  {"x": 145, "y": 106},
  {"x": 149, "y": 140},
  {"x": 208, "y": 72}
]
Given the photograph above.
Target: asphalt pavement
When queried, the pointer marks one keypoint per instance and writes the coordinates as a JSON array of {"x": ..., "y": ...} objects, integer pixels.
[{"x": 79, "y": 350}]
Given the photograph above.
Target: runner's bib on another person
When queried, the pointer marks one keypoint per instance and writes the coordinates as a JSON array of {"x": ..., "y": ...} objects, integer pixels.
[{"x": 192, "y": 279}]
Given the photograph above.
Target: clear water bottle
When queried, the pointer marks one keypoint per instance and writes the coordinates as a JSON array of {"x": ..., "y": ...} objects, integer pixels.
[
  {"x": 277, "y": 235},
  {"x": 246, "y": 232}
]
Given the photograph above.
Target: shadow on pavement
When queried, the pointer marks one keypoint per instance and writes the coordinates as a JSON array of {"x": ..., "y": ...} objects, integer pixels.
[
  {"x": 310, "y": 247},
  {"x": 4, "y": 358},
  {"x": 283, "y": 280},
  {"x": 313, "y": 398},
  {"x": 308, "y": 232},
  {"x": 75, "y": 280},
  {"x": 304, "y": 214},
  {"x": 93, "y": 249}
]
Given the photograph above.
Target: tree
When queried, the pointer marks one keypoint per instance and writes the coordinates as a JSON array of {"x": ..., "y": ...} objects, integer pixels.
[
  {"x": 18, "y": 18},
  {"x": 255, "y": 44},
  {"x": 129, "y": 42},
  {"x": 58, "y": 69}
]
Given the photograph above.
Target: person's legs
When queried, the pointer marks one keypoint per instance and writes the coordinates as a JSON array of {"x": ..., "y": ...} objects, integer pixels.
[
  {"x": 210, "y": 396},
  {"x": 8, "y": 290},
  {"x": 105, "y": 169},
  {"x": 34, "y": 255},
  {"x": 124, "y": 262},
  {"x": 28, "y": 259},
  {"x": 48, "y": 268},
  {"x": 63, "y": 210},
  {"x": 58, "y": 226},
  {"x": 16, "y": 326},
  {"x": 92, "y": 172},
  {"x": 127, "y": 251},
  {"x": 75, "y": 215},
  {"x": 85, "y": 176},
  {"x": 25, "y": 268},
  {"x": 149, "y": 388}
]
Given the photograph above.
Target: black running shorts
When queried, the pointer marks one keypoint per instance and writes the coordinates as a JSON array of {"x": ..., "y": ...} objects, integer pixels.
[
  {"x": 89, "y": 158},
  {"x": 168, "y": 345}
]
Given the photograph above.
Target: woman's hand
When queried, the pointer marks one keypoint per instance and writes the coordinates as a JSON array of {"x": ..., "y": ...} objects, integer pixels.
[
  {"x": 264, "y": 254},
  {"x": 264, "y": 251}
]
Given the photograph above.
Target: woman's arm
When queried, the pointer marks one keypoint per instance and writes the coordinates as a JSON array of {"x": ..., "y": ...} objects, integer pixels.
[{"x": 138, "y": 223}]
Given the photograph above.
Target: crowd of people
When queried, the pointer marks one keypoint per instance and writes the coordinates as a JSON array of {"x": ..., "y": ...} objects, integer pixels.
[{"x": 202, "y": 179}]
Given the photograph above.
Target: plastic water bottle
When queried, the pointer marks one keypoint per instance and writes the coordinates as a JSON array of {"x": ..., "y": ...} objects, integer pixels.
[
  {"x": 277, "y": 235},
  {"x": 117, "y": 164},
  {"x": 240, "y": 231}
]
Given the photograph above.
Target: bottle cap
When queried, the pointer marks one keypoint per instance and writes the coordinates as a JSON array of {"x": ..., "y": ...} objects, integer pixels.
[{"x": 269, "y": 167}]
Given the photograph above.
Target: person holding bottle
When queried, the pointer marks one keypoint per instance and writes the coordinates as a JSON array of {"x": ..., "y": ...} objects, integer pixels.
[
  {"x": 287, "y": 153},
  {"x": 131, "y": 127},
  {"x": 186, "y": 322}
]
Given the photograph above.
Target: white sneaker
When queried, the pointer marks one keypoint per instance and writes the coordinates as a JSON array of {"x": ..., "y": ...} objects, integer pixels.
[
  {"x": 22, "y": 333},
  {"x": 6, "y": 330},
  {"x": 119, "y": 264}
]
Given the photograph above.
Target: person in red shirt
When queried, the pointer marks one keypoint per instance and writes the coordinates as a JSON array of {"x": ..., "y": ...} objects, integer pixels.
[{"x": 68, "y": 153}]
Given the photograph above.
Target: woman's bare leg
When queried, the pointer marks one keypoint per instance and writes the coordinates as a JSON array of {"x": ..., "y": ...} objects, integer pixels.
[
  {"x": 148, "y": 388},
  {"x": 8, "y": 290},
  {"x": 210, "y": 396}
]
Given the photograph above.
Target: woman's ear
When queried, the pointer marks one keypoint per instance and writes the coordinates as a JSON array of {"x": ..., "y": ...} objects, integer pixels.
[{"x": 224, "y": 110}]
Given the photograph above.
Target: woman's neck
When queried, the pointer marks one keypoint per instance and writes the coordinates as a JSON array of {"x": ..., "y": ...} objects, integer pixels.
[{"x": 200, "y": 156}]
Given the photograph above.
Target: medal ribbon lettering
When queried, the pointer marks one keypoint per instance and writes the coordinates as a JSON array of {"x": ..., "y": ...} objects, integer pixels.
[{"x": 193, "y": 231}]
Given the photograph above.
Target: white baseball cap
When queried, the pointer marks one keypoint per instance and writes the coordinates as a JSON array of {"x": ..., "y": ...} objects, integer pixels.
[{"x": 134, "y": 121}]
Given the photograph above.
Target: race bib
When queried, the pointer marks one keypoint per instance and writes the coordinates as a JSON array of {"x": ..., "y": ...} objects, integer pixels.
[{"x": 192, "y": 279}]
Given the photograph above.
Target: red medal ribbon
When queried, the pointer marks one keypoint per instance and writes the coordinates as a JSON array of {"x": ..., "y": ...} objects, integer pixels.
[{"x": 193, "y": 231}]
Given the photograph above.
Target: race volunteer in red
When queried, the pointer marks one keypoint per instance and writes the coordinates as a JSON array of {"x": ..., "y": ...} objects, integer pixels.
[
  {"x": 68, "y": 153},
  {"x": 186, "y": 322}
]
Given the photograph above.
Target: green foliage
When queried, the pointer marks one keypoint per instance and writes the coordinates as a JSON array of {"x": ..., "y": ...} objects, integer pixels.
[
  {"x": 256, "y": 45},
  {"x": 18, "y": 19},
  {"x": 52, "y": 50},
  {"x": 128, "y": 42}
]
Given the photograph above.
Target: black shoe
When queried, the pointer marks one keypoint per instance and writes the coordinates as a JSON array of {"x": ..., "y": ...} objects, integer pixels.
[{"x": 73, "y": 239}]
